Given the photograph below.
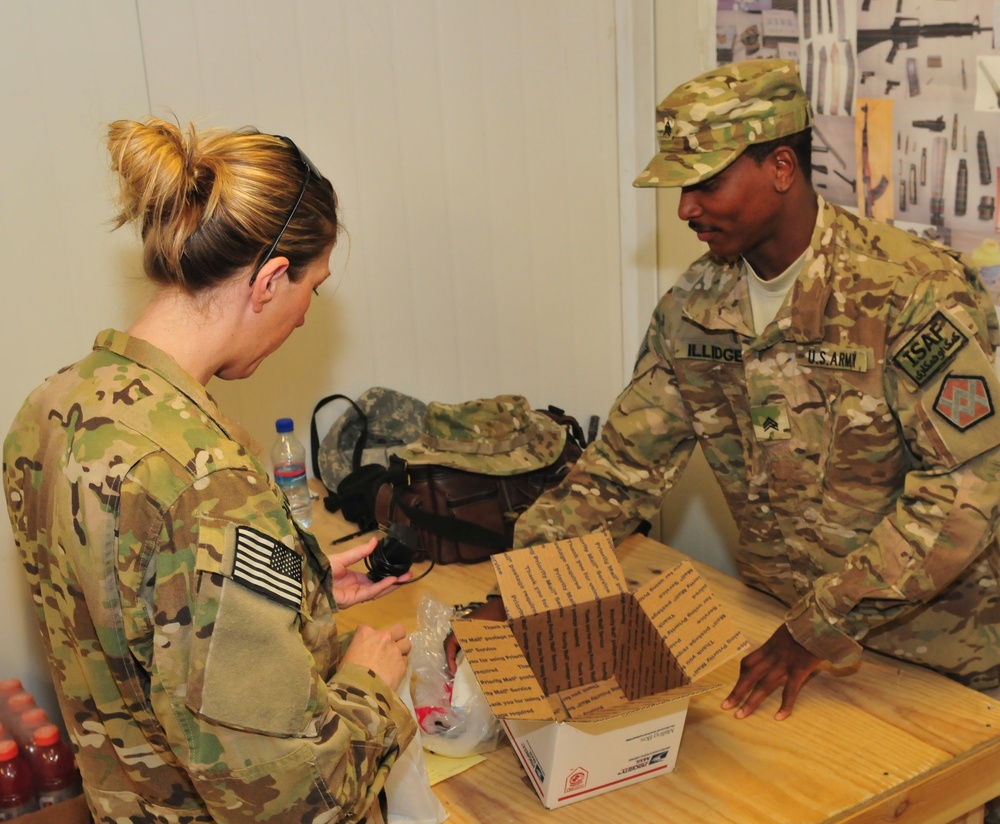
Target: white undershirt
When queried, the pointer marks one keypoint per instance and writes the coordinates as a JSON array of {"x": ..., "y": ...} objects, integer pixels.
[{"x": 766, "y": 296}]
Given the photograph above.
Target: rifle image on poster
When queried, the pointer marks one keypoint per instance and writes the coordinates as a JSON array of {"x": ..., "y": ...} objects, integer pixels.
[
  {"x": 871, "y": 194},
  {"x": 905, "y": 33}
]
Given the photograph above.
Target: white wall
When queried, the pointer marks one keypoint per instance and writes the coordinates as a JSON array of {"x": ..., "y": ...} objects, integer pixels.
[
  {"x": 483, "y": 151},
  {"x": 479, "y": 150}
]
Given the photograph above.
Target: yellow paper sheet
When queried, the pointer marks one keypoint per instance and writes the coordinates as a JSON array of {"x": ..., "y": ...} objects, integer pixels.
[{"x": 441, "y": 767}]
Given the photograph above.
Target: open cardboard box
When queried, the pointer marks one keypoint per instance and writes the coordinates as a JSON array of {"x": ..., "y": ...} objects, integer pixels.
[{"x": 590, "y": 681}]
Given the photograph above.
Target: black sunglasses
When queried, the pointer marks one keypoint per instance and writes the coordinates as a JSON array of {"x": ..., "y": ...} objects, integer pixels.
[{"x": 311, "y": 172}]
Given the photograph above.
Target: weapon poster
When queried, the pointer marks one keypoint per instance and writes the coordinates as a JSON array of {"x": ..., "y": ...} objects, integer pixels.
[{"x": 906, "y": 97}]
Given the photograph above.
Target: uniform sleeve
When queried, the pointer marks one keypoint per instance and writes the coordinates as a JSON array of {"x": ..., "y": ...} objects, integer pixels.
[
  {"x": 942, "y": 386},
  {"x": 622, "y": 477},
  {"x": 232, "y": 620}
]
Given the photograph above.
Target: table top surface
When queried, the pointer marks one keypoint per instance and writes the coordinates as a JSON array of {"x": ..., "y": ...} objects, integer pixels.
[{"x": 885, "y": 742}]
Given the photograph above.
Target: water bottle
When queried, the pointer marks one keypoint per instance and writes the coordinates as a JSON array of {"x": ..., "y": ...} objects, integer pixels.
[
  {"x": 17, "y": 792},
  {"x": 289, "y": 459},
  {"x": 53, "y": 768}
]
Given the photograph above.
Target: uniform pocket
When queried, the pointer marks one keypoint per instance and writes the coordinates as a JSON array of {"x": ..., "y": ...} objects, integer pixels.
[{"x": 249, "y": 667}]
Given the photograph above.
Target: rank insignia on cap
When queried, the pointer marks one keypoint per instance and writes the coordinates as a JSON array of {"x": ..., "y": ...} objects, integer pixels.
[
  {"x": 964, "y": 401},
  {"x": 268, "y": 567}
]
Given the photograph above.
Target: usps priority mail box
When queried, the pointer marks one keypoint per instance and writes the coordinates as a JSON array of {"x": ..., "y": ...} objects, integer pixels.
[{"x": 591, "y": 681}]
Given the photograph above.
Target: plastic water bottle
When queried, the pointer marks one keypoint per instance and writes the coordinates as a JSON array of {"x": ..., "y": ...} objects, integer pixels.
[
  {"x": 53, "y": 768},
  {"x": 17, "y": 792},
  {"x": 289, "y": 459}
]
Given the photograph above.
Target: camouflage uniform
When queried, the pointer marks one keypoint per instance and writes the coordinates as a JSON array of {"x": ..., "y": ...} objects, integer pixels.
[
  {"x": 198, "y": 682},
  {"x": 855, "y": 439}
]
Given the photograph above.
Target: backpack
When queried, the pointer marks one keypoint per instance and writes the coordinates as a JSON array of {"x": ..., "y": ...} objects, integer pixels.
[
  {"x": 352, "y": 459},
  {"x": 477, "y": 466}
]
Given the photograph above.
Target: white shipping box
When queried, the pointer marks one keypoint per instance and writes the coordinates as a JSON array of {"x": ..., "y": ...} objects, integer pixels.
[{"x": 591, "y": 681}]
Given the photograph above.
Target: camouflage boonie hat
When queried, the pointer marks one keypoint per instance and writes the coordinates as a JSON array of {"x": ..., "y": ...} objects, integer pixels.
[
  {"x": 394, "y": 419},
  {"x": 494, "y": 436},
  {"x": 706, "y": 123}
]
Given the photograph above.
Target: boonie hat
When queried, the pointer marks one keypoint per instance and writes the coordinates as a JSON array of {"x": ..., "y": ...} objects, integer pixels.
[
  {"x": 496, "y": 436},
  {"x": 706, "y": 123}
]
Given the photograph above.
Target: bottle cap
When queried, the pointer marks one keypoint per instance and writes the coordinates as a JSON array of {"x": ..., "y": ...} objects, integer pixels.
[
  {"x": 284, "y": 425},
  {"x": 8, "y": 750},
  {"x": 35, "y": 717},
  {"x": 20, "y": 701},
  {"x": 9, "y": 686},
  {"x": 46, "y": 736}
]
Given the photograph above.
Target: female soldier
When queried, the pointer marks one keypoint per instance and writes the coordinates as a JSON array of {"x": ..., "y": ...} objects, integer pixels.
[{"x": 189, "y": 622}]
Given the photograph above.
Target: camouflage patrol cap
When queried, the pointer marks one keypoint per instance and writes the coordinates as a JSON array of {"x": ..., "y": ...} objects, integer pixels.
[
  {"x": 495, "y": 436},
  {"x": 706, "y": 123}
]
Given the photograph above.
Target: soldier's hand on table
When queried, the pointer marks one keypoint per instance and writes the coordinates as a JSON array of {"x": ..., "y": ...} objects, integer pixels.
[
  {"x": 491, "y": 610},
  {"x": 780, "y": 661},
  {"x": 385, "y": 651},
  {"x": 351, "y": 587}
]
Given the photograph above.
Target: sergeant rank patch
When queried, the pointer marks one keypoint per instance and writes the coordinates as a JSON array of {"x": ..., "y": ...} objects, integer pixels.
[
  {"x": 770, "y": 423},
  {"x": 268, "y": 567},
  {"x": 964, "y": 401}
]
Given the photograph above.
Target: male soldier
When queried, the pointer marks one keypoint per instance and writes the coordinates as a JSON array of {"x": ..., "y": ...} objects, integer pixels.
[{"x": 838, "y": 375}]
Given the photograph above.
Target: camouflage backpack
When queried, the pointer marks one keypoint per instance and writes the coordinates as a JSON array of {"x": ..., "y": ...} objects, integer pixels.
[{"x": 351, "y": 459}]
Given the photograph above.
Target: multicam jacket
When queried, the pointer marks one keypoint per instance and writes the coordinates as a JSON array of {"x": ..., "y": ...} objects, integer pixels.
[
  {"x": 856, "y": 441},
  {"x": 190, "y": 625}
]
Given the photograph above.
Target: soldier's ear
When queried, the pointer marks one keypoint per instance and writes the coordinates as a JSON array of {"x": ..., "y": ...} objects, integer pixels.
[{"x": 785, "y": 165}]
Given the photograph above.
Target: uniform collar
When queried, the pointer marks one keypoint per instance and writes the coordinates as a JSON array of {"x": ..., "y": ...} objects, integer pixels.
[
  {"x": 800, "y": 319},
  {"x": 159, "y": 362}
]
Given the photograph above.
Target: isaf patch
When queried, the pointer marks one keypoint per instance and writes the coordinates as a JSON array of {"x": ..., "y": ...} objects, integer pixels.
[
  {"x": 934, "y": 344},
  {"x": 268, "y": 567},
  {"x": 964, "y": 401}
]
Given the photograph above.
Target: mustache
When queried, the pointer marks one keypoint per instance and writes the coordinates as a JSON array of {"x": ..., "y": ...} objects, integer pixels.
[{"x": 694, "y": 226}]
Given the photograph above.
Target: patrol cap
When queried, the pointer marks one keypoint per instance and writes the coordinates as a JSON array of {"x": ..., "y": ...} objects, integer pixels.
[
  {"x": 495, "y": 436},
  {"x": 706, "y": 123}
]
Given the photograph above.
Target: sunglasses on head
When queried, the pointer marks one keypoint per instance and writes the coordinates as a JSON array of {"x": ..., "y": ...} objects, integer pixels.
[{"x": 311, "y": 172}]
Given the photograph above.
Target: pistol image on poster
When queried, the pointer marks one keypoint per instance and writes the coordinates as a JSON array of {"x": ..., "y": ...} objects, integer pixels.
[
  {"x": 871, "y": 193},
  {"x": 905, "y": 33}
]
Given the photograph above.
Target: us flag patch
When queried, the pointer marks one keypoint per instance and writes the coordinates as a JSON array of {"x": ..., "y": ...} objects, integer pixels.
[
  {"x": 268, "y": 567},
  {"x": 964, "y": 401}
]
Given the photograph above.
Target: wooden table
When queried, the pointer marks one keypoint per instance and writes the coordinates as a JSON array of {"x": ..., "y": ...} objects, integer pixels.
[{"x": 888, "y": 742}]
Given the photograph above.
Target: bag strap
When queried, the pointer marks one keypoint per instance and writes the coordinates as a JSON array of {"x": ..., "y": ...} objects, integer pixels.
[
  {"x": 359, "y": 447},
  {"x": 454, "y": 529},
  {"x": 569, "y": 423}
]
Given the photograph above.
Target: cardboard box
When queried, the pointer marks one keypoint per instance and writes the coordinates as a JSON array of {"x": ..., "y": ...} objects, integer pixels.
[{"x": 592, "y": 682}]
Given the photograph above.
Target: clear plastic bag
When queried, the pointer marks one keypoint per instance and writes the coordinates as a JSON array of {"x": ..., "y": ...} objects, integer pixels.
[
  {"x": 453, "y": 715},
  {"x": 410, "y": 798}
]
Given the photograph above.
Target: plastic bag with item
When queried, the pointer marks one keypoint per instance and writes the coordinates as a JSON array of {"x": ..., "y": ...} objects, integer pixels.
[
  {"x": 409, "y": 796},
  {"x": 453, "y": 715}
]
